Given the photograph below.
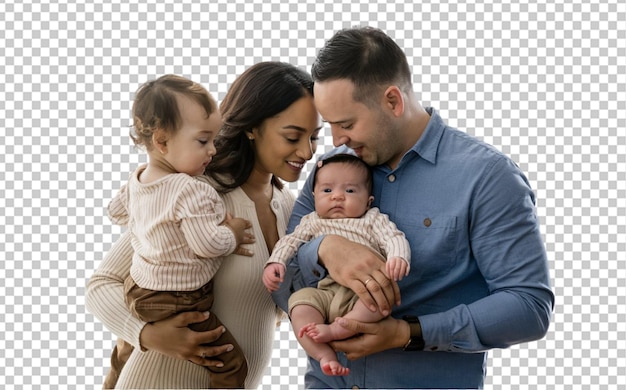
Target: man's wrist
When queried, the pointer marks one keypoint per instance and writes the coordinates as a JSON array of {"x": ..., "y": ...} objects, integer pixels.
[{"x": 415, "y": 341}]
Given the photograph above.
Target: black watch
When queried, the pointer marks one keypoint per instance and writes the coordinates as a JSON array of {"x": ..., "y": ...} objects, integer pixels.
[{"x": 416, "y": 341}]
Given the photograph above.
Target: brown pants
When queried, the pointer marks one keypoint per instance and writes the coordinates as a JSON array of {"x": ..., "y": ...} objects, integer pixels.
[{"x": 152, "y": 306}]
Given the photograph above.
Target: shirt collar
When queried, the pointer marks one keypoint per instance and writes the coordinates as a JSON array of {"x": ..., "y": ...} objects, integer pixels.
[{"x": 428, "y": 144}]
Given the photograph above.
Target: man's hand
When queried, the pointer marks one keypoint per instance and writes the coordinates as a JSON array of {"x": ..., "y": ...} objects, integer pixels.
[
  {"x": 172, "y": 337},
  {"x": 360, "y": 269},
  {"x": 372, "y": 337}
]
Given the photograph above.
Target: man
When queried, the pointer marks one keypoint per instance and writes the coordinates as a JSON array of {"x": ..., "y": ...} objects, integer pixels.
[{"x": 479, "y": 277}]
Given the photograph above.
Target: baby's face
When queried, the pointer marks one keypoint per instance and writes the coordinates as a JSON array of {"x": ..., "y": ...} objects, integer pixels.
[{"x": 341, "y": 191}]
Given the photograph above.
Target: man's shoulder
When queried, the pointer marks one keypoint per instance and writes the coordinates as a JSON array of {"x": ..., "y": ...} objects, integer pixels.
[{"x": 470, "y": 147}]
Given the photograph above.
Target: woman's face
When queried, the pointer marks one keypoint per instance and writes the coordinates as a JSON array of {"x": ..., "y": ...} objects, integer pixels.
[{"x": 285, "y": 142}]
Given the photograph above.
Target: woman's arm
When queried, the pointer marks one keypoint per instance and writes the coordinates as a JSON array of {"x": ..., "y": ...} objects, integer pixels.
[
  {"x": 105, "y": 300},
  {"x": 105, "y": 292}
]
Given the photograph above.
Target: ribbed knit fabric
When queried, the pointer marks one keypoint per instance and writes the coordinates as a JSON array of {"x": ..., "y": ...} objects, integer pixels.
[
  {"x": 176, "y": 232},
  {"x": 373, "y": 230},
  {"x": 241, "y": 302}
]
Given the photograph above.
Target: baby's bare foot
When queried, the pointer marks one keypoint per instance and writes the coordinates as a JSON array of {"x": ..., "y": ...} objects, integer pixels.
[
  {"x": 334, "y": 368},
  {"x": 321, "y": 333},
  {"x": 306, "y": 329}
]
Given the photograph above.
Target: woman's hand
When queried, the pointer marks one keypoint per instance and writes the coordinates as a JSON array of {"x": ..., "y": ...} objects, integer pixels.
[
  {"x": 360, "y": 269},
  {"x": 172, "y": 337},
  {"x": 372, "y": 337},
  {"x": 240, "y": 228}
]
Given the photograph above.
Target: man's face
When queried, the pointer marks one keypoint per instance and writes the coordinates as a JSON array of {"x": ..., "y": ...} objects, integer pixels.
[{"x": 367, "y": 130}]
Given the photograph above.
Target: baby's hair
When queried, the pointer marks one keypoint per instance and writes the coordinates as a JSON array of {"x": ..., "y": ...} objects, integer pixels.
[
  {"x": 350, "y": 159},
  {"x": 155, "y": 106}
]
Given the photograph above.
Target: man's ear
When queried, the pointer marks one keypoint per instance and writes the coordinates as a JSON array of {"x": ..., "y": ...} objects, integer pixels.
[
  {"x": 159, "y": 140},
  {"x": 394, "y": 100}
]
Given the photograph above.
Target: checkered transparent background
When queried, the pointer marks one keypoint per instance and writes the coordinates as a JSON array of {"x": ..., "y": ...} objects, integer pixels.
[{"x": 543, "y": 82}]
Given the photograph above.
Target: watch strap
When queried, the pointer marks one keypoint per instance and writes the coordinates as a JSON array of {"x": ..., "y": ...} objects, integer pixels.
[{"x": 416, "y": 341}]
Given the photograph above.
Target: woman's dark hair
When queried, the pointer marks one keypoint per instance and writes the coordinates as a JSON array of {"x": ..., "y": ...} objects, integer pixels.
[
  {"x": 367, "y": 57},
  {"x": 350, "y": 159},
  {"x": 261, "y": 92}
]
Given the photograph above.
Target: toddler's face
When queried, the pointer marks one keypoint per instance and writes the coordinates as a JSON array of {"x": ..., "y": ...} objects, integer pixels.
[{"x": 191, "y": 148}]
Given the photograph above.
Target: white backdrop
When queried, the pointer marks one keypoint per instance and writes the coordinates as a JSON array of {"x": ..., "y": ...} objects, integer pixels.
[{"x": 543, "y": 82}]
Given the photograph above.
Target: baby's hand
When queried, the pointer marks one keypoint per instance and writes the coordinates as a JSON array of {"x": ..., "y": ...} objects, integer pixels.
[
  {"x": 273, "y": 275},
  {"x": 397, "y": 268}
]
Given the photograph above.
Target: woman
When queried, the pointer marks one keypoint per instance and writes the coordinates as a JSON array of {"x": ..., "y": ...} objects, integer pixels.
[{"x": 270, "y": 131}]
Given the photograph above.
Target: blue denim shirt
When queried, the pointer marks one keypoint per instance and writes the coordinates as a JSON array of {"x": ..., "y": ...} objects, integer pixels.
[{"x": 479, "y": 273}]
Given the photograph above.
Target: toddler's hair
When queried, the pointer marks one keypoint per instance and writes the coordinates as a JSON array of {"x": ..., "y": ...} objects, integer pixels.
[{"x": 155, "y": 106}]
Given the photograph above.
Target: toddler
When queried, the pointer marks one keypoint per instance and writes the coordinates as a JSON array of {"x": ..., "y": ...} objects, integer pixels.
[{"x": 180, "y": 230}]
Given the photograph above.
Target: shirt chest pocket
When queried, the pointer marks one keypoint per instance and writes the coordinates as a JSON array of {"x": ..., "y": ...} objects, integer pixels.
[{"x": 433, "y": 240}]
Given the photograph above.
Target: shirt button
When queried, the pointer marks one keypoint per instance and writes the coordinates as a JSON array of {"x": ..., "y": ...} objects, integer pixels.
[
  {"x": 427, "y": 222},
  {"x": 316, "y": 273},
  {"x": 391, "y": 178},
  {"x": 275, "y": 204}
]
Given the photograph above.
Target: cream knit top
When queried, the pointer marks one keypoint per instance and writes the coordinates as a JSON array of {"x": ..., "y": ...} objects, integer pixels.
[
  {"x": 175, "y": 230},
  {"x": 374, "y": 230},
  {"x": 241, "y": 302}
]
